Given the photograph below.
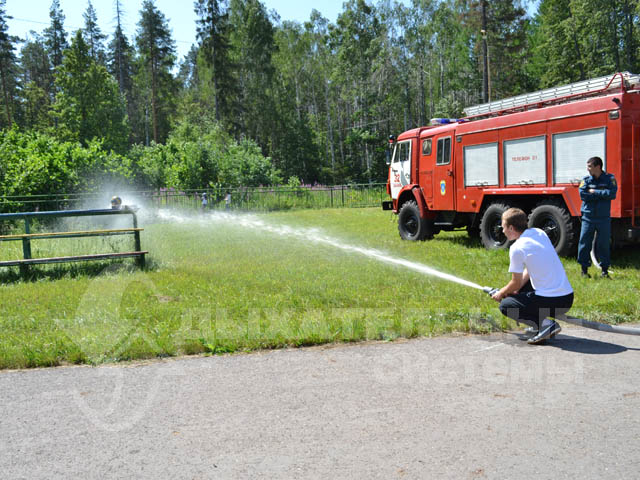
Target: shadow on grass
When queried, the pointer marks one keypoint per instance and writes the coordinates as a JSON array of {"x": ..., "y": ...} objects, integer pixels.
[{"x": 54, "y": 272}]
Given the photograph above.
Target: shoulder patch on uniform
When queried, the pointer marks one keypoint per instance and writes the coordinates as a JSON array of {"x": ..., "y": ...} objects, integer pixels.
[
  {"x": 582, "y": 184},
  {"x": 613, "y": 180}
]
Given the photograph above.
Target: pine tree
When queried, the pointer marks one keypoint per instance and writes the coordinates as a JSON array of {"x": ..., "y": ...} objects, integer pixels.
[
  {"x": 37, "y": 81},
  {"x": 501, "y": 50},
  {"x": 88, "y": 104},
  {"x": 120, "y": 63},
  {"x": 252, "y": 47},
  {"x": 213, "y": 35},
  {"x": 8, "y": 66},
  {"x": 357, "y": 46},
  {"x": 92, "y": 34},
  {"x": 156, "y": 51},
  {"x": 55, "y": 36}
]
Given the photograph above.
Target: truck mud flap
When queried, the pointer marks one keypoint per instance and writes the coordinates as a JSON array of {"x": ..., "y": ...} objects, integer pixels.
[{"x": 387, "y": 205}]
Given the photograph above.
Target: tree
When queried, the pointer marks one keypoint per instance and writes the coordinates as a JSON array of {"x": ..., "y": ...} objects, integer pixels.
[
  {"x": 120, "y": 63},
  {"x": 8, "y": 66},
  {"x": 213, "y": 34},
  {"x": 503, "y": 57},
  {"x": 357, "y": 40},
  {"x": 89, "y": 105},
  {"x": 156, "y": 51},
  {"x": 293, "y": 147},
  {"x": 252, "y": 48},
  {"x": 37, "y": 83},
  {"x": 576, "y": 40},
  {"x": 93, "y": 36},
  {"x": 55, "y": 36}
]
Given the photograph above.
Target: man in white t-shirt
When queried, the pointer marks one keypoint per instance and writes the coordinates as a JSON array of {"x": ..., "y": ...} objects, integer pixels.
[{"x": 539, "y": 287}]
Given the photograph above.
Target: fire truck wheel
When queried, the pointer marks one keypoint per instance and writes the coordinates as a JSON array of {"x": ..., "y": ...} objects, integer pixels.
[
  {"x": 411, "y": 225},
  {"x": 557, "y": 223},
  {"x": 491, "y": 227}
]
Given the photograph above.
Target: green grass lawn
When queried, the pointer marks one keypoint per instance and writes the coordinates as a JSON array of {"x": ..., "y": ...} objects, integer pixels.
[{"x": 225, "y": 283}]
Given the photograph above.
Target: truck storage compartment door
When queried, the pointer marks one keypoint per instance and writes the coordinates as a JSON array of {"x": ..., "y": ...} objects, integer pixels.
[
  {"x": 481, "y": 165},
  {"x": 572, "y": 150},
  {"x": 525, "y": 161}
]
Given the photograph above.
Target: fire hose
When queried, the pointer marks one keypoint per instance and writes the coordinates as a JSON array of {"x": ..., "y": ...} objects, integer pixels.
[{"x": 603, "y": 327}]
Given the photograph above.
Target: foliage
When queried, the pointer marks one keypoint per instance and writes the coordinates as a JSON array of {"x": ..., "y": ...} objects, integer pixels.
[
  {"x": 54, "y": 35},
  {"x": 37, "y": 80},
  {"x": 8, "y": 70},
  {"x": 156, "y": 85},
  {"x": 197, "y": 156},
  {"x": 577, "y": 40},
  {"x": 38, "y": 164},
  {"x": 315, "y": 100},
  {"x": 89, "y": 105},
  {"x": 217, "y": 68},
  {"x": 92, "y": 34}
]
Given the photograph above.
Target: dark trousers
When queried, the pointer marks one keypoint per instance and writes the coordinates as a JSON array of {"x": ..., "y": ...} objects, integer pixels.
[
  {"x": 587, "y": 231},
  {"x": 527, "y": 307}
]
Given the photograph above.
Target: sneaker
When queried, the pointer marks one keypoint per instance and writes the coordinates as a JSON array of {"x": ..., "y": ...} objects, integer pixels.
[
  {"x": 585, "y": 273},
  {"x": 605, "y": 274},
  {"x": 531, "y": 330},
  {"x": 546, "y": 333}
]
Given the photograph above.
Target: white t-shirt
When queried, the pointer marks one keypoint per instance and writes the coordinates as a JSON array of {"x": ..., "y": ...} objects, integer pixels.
[{"x": 533, "y": 251}]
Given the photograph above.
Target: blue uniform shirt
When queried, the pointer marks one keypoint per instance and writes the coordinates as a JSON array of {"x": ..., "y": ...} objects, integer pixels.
[{"x": 598, "y": 203}]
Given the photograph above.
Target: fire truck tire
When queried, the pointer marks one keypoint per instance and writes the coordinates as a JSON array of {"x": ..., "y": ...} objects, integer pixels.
[
  {"x": 411, "y": 225},
  {"x": 556, "y": 221},
  {"x": 491, "y": 227}
]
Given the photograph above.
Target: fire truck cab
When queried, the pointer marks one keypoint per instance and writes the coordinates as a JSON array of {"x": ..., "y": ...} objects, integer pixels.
[{"x": 528, "y": 152}]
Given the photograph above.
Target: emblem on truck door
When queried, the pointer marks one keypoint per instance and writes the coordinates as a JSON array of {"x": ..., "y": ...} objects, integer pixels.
[{"x": 443, "y": 187}]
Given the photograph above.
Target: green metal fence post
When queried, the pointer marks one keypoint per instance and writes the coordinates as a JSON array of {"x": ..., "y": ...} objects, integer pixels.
[
  {"x": 26, "y": 243},
  {"x": 26, "y": 248},
  {"x": 136, "y": 236}
]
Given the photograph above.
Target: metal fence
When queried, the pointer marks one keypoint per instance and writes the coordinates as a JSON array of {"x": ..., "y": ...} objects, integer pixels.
[{"x": 248, "y": 199}]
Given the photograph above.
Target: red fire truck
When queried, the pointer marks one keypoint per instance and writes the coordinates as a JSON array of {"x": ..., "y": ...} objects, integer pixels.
[{"x": 529, "y": 152}]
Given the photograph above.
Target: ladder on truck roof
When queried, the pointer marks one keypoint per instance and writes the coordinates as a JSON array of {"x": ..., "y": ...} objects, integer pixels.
[{"x": 556, "y": 94}]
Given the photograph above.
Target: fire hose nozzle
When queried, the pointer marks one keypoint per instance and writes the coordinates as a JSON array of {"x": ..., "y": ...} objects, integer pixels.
[{"x": 490, "y": 290}]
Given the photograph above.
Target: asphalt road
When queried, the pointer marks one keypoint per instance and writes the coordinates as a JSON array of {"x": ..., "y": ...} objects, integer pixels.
[{"x": 450, "y": 407}]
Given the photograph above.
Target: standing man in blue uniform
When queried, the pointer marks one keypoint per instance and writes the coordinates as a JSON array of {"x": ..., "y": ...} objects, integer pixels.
[{"x": 596, "y": 192}]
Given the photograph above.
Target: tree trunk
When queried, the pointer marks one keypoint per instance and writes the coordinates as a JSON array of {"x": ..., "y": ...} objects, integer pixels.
[
  {"x": 3, "y": 74},
  {"x": 330, "y": 130},
  {"x": 154, "y": 97},
  {"x": 485, "y": 55}
]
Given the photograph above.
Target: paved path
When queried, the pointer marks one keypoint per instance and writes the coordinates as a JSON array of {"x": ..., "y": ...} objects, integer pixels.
[{"x": 450, "y": 407}]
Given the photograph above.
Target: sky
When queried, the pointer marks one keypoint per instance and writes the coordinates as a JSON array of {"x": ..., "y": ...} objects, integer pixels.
[{"x": 34, "y": 15}]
